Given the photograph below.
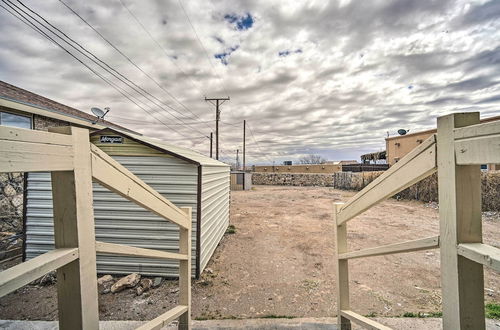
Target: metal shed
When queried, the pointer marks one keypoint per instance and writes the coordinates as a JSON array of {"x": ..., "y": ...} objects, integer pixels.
[{"x": 183, "y": 176}]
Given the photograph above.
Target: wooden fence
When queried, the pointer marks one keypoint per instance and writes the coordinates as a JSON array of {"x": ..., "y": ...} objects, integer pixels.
[
  {"x": 456, "y": 152},
  {"x": 74, "y": 162}
]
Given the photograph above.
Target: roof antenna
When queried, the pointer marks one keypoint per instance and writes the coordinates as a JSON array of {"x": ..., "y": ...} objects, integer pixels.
[{"x": 99, "y": 114}]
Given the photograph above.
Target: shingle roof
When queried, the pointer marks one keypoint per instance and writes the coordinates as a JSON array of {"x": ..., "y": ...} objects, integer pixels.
[{"x": 17, "y": 94}]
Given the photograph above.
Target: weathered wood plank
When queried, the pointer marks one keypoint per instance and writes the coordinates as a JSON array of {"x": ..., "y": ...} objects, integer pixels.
[
  {"x": 462, "y": 280},
  {"x": 111, "y": 248},
  {"x": 26, "y": 272},
  {"x": 117, "y": 178},
  {"x": 415, "y": 166},
  {"x": 74, "y": 227},
  {"x": 343, "y": 303},
  {"x": 39, "y": 137},
  {"x": 409, "y": 246},
  {"x": 478, "y": 130},
  {"x": 481, "y": 253},
  {"x": 164, "y": 319},
  {"x": 478, "y": 151},
  {"x": 364, "y": 321},
  {"x": 185, "y": 271},
  {"x": 18, "y": 156}
]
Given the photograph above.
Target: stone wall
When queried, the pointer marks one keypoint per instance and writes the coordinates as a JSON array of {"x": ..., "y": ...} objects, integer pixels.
[
  {"x": 425, "y": 190},
  {"x": 11, "y": 202}
]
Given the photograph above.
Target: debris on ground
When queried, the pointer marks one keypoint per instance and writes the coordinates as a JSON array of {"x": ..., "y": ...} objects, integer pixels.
[
  {"x": 144, "y": 285},
  {"x": 157, "y": 281},
  {"x": 104, "y": 283},
  {"x": 128, "y": 281}
]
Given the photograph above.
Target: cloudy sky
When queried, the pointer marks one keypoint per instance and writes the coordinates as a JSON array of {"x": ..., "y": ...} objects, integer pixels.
[{"x": 317, "y": 77}]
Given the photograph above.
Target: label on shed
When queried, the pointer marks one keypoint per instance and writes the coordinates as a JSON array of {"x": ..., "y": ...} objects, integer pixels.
[{"x": 110, "y": 139}]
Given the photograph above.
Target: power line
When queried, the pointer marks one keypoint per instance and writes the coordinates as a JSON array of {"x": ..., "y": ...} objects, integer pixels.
[
  {"x": 160, "y": 46},
  {"x": 203, "y": 47},
  {"x": 26, "y": 21},
  {"x": 128, "y": 58},
  {"x": 135, "y": 87},
  {"x": 258, "y": 146}
]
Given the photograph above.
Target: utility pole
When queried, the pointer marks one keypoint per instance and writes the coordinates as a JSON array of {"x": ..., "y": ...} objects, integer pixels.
[
  {"x": 237, "y": 159},
  {"x": 244, "y": 136},
  {"x": 218, "y": 102},
  {"x": 211, "y": 139}
]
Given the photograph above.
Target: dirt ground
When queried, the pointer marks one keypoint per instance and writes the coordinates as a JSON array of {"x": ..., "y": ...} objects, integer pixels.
[{"x": 279, "y": 262}]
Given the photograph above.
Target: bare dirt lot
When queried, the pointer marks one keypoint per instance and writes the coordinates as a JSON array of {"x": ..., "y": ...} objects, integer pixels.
[{"x": 279, "y": 262}]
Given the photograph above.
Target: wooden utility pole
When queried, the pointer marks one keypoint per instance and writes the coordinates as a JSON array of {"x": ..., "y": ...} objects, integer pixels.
[
  {"x": 244, "y": 132},
  {"x": 211, "y": 143},
  {"x": 218, "y": 102},
  {"x": 237, "y": 159}
]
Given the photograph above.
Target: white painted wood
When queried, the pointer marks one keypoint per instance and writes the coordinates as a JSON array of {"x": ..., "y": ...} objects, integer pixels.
[
  {"x": 478, "y": 130},
  {"x": 164, "y": 319},
  {"x": 117, "y": 178},
  {"x": 111, "y": 248},
  {"x": 409, "y": 246},
  {"x": 74, "y": 228},
  {"x": 39, "y": 137},
  {"x": 481, "y": 253},
  {"x": 185, "y": 271},
  {"x": 16, "y": 156},
  {"x": 460, "y": 222},
  {"x": 364, "y": 321},
  {"x": 479, "y": 150},
  {"x": 415, "y": 166},
  {"x": 26, "y": 272},
  {"x": 343, "y": 303}
]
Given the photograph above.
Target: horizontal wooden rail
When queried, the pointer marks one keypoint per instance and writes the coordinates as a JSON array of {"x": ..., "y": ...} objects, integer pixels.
[
  {"x": 164, "y": 319},
  {"x": 26, "y": 272},
  {"x": 363, "y": 321},
  {"x": 409, "y": 246},
  {"x": 111, "y": 248},
  {"x": 117, "y": 178},
  {"x": 481, "y": 253},
  {"x": 23, "y": 150},
  {"x": 478, "y": 144},
  {"x": 415, "y": 166}
]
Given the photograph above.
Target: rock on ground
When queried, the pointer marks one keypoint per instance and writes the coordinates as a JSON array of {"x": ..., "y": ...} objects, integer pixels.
[{"x": 128, "y": 281}]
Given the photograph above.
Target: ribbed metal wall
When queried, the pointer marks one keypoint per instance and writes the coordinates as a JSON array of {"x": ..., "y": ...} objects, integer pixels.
[
  {"x": 121, "y": 221},
  {"x": 214, "y": 209}
]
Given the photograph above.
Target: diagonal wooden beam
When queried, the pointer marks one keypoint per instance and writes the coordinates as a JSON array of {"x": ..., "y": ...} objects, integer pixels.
[
  {"x": 415, "y": 166},
  {"x": 117, "y": 178},
  {"x": 26, "y": 272}
]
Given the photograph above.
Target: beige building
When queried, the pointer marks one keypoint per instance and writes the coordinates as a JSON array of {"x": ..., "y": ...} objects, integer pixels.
[{"x": 398, "y": 146}]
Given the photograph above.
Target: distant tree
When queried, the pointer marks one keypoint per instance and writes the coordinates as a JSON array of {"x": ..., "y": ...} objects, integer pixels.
[{"x": 312, "y": 159}]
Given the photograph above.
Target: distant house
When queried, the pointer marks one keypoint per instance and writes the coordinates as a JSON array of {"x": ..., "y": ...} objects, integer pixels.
[{"x": 398, "y": 146}]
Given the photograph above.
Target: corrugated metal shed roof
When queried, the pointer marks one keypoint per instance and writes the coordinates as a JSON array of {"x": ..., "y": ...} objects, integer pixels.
[{"x": 187, "y": 154}]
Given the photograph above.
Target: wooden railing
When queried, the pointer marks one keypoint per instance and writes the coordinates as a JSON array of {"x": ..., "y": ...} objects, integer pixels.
[
  {"x": 456, "y": 152},
  {"x": 73, "y": 162}
]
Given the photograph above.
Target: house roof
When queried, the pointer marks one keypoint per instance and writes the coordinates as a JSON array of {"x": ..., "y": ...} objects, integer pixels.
[
  {"x": 176, "y": 151},
  {"x": 49, "y": 108}
]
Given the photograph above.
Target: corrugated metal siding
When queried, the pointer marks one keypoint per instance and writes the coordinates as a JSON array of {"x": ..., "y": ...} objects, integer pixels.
[
  {"x": 119, "y": 220},
  {"x": 214, "y": 208}
]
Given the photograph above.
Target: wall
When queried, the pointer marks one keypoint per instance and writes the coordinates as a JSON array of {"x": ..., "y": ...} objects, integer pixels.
[
  {"x": 398, "y": 146},
  {"x": 425, "y": 190},
  {"x": 312, "y": 168}
]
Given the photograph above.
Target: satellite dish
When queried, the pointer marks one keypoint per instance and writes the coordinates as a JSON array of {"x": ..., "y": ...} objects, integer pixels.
[
  {"x": 403, "y": 131},
  {"x": 99, "y": 113}
]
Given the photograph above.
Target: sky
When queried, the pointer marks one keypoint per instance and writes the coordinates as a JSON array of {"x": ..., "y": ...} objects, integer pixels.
[{"x": 332, "y": 78}]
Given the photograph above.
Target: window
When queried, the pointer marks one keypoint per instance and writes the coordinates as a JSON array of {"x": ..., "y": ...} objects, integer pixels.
[{"x": 13, "y": 120}]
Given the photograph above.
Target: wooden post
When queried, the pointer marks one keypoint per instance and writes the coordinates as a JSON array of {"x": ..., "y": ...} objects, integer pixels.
[
  {"x": 460, "y": 222},
  {"x": 185, "y": 272},
  {"x": 74, "y": 228},
  {"x": 342, "y": 270}
]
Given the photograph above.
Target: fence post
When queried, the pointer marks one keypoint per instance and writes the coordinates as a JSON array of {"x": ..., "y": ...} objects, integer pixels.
[
  {"x": 460, "y": 222},
  {"x": 185, "y": 271},
  {"x": 342, "y": 270},
  {"x": 74, "y": 227}
]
